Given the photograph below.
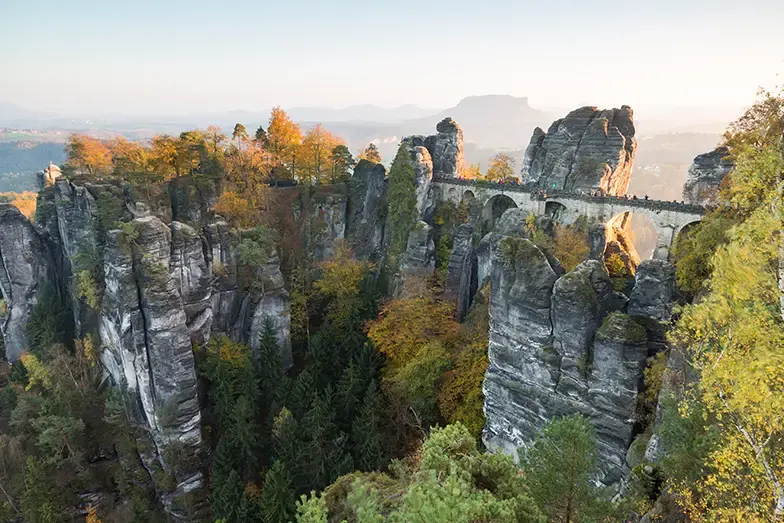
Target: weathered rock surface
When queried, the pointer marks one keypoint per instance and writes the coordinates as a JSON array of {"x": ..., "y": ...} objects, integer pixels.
[
  {"x": 445, "y": 148},
  {"x": 461, "y": 275},
  {"x": 587, "y": 150},
  {"x": 366, "y": 210},
  {"x": 419, "y": 258},
  {"x": 705, "y": 176},
  {"x": 654, "y": 290},
  {"x": 147, "y": 348},
  {"x": 558, "y": 346},
  {"x": 26, "y": 266},
  {"x": 192, "y": 276},
  {"x": 423, "y": 171},
  {"x": 329, "y": 225}
]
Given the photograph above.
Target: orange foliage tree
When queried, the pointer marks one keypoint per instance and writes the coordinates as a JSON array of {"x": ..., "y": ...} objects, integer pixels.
[
  {"x": 315, "y": 154},
  {"x": 88, "y": 155},
  {"x": 284, "y": 137}
]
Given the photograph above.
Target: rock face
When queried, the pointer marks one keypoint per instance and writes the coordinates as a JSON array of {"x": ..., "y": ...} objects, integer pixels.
[
  {"x": 558, "y": 346},
  {"x": 587, "y": 150},
  {"x": 163, "y": 288},
  {"x": 654, "y": 290},
  {"x": 445, "y": 148},
  {"x": 419, "y": 259},
  {"x": 147, "y": 346},
  {"x": 705, "y": 176},
  {"x": 366, "y": 210},
  {"x": 26, "y": 266},
  {"x": 461, "y": 274},
  {"x": 423, "y": 170}
]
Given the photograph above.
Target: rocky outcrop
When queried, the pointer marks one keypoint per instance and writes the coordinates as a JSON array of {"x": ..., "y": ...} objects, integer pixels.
[
  {"x": 558, "y": 346},
  {"x": 587, "y": 150},
  {"x": 26, "y": 267},
  {"x": 654, "y": 290},
  {"x": 328, "y": 224},
  {"x": 419, "y": 259},
  {"x": 445, "y": 148},
  {"x": 147, "y": 349},
  {"x": 423, "y": 172},
  {"x": 192, "y": 276},
  {"x": 366, "y": 210},
  {"x": 705, "y": 176},
  {"x": 461, "y": 274}
]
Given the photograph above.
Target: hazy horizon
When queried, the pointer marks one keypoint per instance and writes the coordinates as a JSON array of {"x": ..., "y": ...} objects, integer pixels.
[{"x": 87, "y": 57}]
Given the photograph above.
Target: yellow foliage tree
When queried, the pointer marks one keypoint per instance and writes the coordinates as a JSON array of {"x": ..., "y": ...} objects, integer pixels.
[
  {"x": 314, "y": 154},
  {"x": 501, "y": 168},
  {"x": 88, "y": 155},
  {"x": 284, "y": 137},
  {"x": 340, "y": 281},
  {"x": 570, "y": 246}
]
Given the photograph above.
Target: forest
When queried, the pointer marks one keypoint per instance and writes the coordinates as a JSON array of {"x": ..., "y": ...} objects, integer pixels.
[{"x": 380, "y": 415}]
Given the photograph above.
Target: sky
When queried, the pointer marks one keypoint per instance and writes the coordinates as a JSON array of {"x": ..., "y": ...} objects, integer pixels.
[{"x": 178, "y": 57}]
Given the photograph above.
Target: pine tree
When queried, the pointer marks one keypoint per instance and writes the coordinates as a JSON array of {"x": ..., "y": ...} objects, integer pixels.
[
  {"x": 228, "y": 499},
  {"x": 223, "y": 461},
  {"x": 270, "y": 366},
  {"x": 348, "y": 396},
  {"x": 277, "y": 497},
  {"x": 301, "y": 394},
  {"x": 367, "y": 442},
  {"x": 325, "y": 451},
  {"x": 288, "y": 448},
  {"x": 243, "y": 433}
]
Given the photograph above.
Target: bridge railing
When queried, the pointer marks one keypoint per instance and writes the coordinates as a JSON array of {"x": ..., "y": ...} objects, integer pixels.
[{"x": 536, "y": 193}]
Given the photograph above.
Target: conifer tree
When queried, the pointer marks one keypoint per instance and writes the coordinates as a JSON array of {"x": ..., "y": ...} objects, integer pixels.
[
  {"x": 243, "y": 433},
  {"x": 401, "y": 195},
  {"x": 223, "y": 461},
  {"x": 367, "y": 442},
  {"x": 228, "y": 499},
  {"x": 277, "y": 497},
  {"x": 270, "y": 366},
  {"x": 348, "y": 396},
  {"x": 302, "y": 393},
  {"x": 325, "y": 451}
]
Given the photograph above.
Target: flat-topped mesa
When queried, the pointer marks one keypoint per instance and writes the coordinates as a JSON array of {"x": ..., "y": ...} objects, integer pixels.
[
  {"x": 445, "y": 148},
  {"x": 586, "y": 151},
  {"x": 705, "y": 176}
]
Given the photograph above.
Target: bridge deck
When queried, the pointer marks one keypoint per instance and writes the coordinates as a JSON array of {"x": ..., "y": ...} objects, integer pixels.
[{"x": 542, "y": 195}]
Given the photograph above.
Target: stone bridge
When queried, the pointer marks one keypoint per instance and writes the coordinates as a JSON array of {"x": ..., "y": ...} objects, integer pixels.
[{"x": 668, "y": 218}]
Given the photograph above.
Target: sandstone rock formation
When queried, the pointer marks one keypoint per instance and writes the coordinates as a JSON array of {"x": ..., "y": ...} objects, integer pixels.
[
  {"x": 418, "y": 261},
  {"x": 558, "y": 346},
  {"x": 587, "y": 150},
  {"x": 26, "y": 267},
  {"x": 445, "y": 148},
  {"x": 365, "y": 210},
  {"x": 461, "y": 275},
  {"x": 705, "y": 176}
]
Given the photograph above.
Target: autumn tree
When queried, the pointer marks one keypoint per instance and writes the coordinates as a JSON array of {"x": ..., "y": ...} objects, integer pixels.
[
  {"x": 733, "y": 338},
  {"x": 88, "y": 155},
  {"x": 501, "y": 168},
  {"x": 128, "y": 158},
  {"x": 284, "y": 137},
  {"x": 314, "y": 154},
  {"x": 370, "y": 153},
  {"x": 472, "y": 172},
  {"x": 163, "y": 156}
]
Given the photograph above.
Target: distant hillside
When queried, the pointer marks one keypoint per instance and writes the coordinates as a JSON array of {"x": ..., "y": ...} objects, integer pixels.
[
  {"x": 359, "y": 113},
  {"x": 19, "y": 161}
]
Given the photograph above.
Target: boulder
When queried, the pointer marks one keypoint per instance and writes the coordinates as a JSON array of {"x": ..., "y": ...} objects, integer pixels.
[
  {"x": 589, "y": 149},
  {"x": 705, "y": 176}
]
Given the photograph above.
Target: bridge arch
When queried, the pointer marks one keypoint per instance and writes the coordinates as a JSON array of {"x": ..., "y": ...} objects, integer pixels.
[
  {"x": 469, "y": 196},
  {"x": 555, "y": 210},
  {"x": 493, "y": 209}
]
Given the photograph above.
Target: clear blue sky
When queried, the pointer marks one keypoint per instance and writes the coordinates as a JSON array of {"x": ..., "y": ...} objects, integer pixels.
[{"x": 171, "y": 56}]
